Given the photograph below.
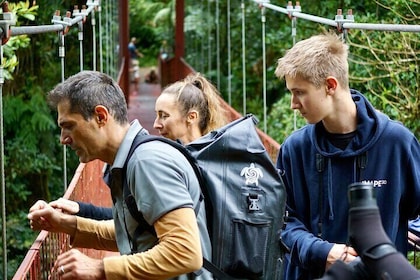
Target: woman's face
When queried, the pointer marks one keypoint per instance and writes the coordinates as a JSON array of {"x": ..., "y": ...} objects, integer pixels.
[{"x": 169, "y": 121}]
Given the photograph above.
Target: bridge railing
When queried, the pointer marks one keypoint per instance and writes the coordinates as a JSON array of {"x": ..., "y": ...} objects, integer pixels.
[{"x": 87, "y": 185}]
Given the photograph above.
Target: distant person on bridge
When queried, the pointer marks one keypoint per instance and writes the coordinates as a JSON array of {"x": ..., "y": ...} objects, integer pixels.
[
  {"x": 135, "y": 54},
  {"x": 92, "y": 115},
  {"x": 185, "y": 111},
  {"x": 345, "y": 141}
]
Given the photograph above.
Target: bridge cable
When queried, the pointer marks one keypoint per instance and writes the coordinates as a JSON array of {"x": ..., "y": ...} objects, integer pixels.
[
  {"x": 2, "y": 174},
  {"x": 209, "y": 36},
  {"x": 101, "y": 60},
  {"x": 6, "y": 19},
  {"x": 291, "y": 10},
  {"x": 264, "y": 89},
  {"x": 229, "y": 81},
  {"x": 243, "y": 60},
  {"x": 218, "y": 43}
]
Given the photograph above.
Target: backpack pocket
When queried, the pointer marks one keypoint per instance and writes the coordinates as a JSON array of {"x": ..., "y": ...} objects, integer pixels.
[{"x": 249, "y": 247}]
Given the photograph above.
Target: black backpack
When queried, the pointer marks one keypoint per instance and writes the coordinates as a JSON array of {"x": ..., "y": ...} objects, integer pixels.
[{"x": 244, "y": 195}]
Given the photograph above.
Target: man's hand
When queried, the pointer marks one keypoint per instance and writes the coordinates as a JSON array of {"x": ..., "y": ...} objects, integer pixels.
[
  {"x": 67, "y": 206},
  {"x": 44, "y": 217},
  {"x": 340, "y": 252},
  {"x": 75, "y": 265}
]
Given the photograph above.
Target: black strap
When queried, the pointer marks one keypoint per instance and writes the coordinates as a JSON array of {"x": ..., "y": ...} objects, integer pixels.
[
  {"x": 380, "y": 251},
  {"x": 361, "y": 165},
  {"x": 219, "y": 274},
  {"x": 141, "y": 138},
  {"x": 320, "y": 166}
]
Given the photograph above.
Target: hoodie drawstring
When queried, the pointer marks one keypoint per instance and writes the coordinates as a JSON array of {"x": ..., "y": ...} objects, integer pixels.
[
  {"x": 320, "y": 166},
  {"x": 360, "y": 165}
]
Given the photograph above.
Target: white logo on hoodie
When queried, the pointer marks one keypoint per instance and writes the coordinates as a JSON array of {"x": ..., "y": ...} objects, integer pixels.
[{"x": 376, "y": 183}]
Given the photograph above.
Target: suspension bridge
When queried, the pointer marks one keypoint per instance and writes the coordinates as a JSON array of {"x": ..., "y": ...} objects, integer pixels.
[{"x": 39, "y": 261}]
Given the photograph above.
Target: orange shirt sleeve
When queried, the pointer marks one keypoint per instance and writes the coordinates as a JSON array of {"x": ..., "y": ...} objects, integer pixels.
[
  {"x": 178, "y": 251},
  {"x": 95, "y": 234}
]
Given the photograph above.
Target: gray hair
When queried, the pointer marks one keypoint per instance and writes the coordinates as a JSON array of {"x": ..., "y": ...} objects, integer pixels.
[{"x": 87, "y": 89}]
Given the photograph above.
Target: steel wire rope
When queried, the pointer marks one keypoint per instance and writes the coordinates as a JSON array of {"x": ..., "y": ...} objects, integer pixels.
[
  {"x": 243, "y": 59},
  {"x": 108, "y": 40},
  {"x": 114, "y": 71},
  {"x": 202, "y": 43},
  {"x": 229, "y": 81},
  {"x": 93, "y": 23},
  {"x": 80, "y": 37},
  {"x": 101, "y": 60},
  {"x": 109, "y": 44},
  {"x": 294, "y": 31},
  {"x": 2, "y": 174},
  {"x": 218, "y": 43},
  {"x": 209, "y": 17},
  {"x": 264, "y": 89},
  {"x": 61, "y": 55},
  {"x": 290, "y": 8}
]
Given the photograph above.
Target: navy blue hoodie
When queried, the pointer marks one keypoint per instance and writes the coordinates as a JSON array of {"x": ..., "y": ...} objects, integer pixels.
[{"x": 317, "y": 175}]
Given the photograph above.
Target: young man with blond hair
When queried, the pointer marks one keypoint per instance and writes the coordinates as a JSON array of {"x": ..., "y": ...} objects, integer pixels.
[{"x": 346, "y": 140}]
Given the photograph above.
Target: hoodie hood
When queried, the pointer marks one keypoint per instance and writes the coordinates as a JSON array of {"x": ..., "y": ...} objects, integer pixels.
[{"x": 370, "y": 125}]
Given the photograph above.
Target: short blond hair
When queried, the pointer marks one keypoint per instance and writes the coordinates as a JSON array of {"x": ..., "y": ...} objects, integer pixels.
[{"x": 316, "y": 58}]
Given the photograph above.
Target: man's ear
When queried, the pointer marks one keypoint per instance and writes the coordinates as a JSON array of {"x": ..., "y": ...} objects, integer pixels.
[
  {"x": 331, "y": 84},
  {"x": 101, "y": 114}
]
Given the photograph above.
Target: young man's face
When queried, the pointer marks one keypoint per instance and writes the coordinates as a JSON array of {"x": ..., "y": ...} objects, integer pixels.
[
  {"x": 77, "y": 133},
  {"x": 313, "y": 103},
  {"x": 169, "y": 121}
]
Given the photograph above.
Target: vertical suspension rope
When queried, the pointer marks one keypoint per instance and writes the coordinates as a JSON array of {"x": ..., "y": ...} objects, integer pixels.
[
  {"x": 108, "y": 38},
  {"x": 218, "y": 43},
  {"x": 202, "y": 42},
  {"x": 93, "y": 22},
  {"x": 80, "y": 37},
  {"x": 2, "y": 175},
  {"x": 290, "y": 9},
  {"x": 263, "y": 20},
  {"x": 6, "y": 19},
  {"x": 229, "y": 81},
  {"x": 115, "y": 14},
  {"x": 61, "y": 54},
  {"x": 243, "y": 60},
  {"x": 101, "y": 60},
  {"x": 209, "y": 36},
  {"x": 294, "y": 24}
]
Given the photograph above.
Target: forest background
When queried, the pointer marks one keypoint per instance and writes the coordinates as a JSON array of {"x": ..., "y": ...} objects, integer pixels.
[{"x": 384, "y": 65}]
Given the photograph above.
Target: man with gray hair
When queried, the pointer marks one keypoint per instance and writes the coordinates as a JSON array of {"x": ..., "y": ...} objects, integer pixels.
[{"x": 92, "y": 115}]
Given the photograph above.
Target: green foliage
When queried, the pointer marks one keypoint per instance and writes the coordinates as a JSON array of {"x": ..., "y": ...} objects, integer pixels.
[
  {"x": 282, "y": 121},
  {"x": 33, "y": 155},
  {"x": 29, "y": 155},
  {"x": 21, "y": 11},
  {"x": 152, "y": 22},
  {"x": 385, "y": 65},
  {"x": 411, "y": 258},
  {"x": 20, "y": 238}
]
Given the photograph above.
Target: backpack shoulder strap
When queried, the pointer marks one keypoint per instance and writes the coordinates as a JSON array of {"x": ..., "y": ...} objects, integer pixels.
[
  {"x": 129, "y": 198},
  {"x": 138, "y": 216},
  {"x": 141, "y": 138}
]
